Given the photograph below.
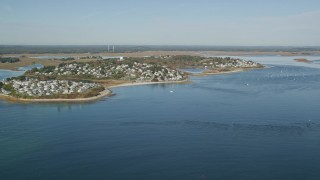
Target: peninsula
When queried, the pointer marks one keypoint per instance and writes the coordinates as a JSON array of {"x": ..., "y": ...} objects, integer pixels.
[{"x": 91, "y": 80}]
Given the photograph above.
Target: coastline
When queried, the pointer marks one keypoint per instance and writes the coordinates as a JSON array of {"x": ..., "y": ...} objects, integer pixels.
[
  {"x": 303, "y": 60},
  {"x": 30, "y": 58},
  {"x": 148, "y": 83},
  {"x": 108, "y": 91},
  {"x": 216, "y": 73},
  {"x": 226, "y": 72}
]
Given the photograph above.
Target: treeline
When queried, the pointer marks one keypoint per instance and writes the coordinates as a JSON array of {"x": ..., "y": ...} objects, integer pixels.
[
  {"x": 7, "y": 87},
  {"x": 9, "y": 59},
  {"x": 67, "y": 59},
  {"x": 43, "y": 49},
  {"x": 179, "y": 61}
]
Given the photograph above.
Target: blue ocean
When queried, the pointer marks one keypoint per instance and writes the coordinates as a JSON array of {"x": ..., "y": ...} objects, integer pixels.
[{"x": 257, "y": 124}]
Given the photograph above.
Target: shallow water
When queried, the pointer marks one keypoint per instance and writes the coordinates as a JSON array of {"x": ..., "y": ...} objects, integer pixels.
[
  {"x": 259, "y": 124},
  {"x": 8, "y": 73},
  {"x": 51, "y": 57},
  {"x": 26, "y": 68}
]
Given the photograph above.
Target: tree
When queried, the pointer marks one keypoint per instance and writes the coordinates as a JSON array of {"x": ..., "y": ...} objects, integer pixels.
[
  {"x": 9, "y": 59},
  {"x": 8, "y": 87}
]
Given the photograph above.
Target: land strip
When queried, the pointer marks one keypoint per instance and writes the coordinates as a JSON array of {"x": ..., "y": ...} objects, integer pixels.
[
  {"x": 92, "y": 80},
  {"x": 30, "y": 59}
]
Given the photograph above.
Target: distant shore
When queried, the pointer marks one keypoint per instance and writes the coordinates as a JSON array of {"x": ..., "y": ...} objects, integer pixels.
[
  {"x": 29, "y": 59},
  {"x": 207, "y": 73},
  {"x": 303, "y": 60},
  {"x": 217, "y": 73}
]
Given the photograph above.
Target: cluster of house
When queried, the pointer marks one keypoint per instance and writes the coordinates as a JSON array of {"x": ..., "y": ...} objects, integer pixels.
[
  {"x": 34, "y": 87},
  {"x": 5, "y": 92},
  {"x": 133, "y": 71},
  {"x": 235, "y": 63}
]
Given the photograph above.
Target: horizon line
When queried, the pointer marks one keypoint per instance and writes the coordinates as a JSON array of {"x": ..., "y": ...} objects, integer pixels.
[{"x": 159, "y": 45}]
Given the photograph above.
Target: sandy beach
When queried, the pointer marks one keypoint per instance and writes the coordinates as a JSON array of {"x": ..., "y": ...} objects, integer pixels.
[
  {"x": 217, "y": 73},
  {"x": 148, "y": 83},
  {"x": 225, "y": 72}
]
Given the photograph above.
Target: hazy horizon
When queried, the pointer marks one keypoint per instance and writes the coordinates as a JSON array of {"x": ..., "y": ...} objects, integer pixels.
[
  {"x": 165, "y": 45},
  {"x": 165, "y": 23}
]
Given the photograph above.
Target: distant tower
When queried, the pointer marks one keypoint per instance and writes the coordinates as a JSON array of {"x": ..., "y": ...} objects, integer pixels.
[
  {"x": 108, "y": 48},
  {"x": 113, "y": 49}
]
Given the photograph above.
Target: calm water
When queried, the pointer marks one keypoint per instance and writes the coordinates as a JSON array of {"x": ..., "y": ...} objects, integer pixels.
[
  {"x": 260, "y": 124},
  {"x": 51, "y": 57},
  {"x": 7, "y": 73},
  {"x": 26, "y": 68}
]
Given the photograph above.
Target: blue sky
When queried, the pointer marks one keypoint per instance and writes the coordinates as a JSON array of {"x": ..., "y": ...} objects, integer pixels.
[{"x": 166, "y": 22}]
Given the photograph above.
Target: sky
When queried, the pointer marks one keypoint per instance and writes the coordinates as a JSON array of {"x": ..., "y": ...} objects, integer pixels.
[{"x": 165, "y": 22}]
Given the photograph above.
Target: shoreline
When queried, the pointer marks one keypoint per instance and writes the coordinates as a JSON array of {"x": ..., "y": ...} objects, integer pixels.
[
  {"x": 217, "y": 73},
  {"x": 303, "y": 60},
  {"x": 108, "y": 91},
  {"x": 148, "y": 83},
  {"x": 30, "y": 58},
  {"x": 104, "y": 93},
  {"x": 226, "y": 72}
]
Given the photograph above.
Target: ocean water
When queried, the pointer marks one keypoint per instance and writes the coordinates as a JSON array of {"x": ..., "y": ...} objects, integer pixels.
[{"x": 259, "y": 124}]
